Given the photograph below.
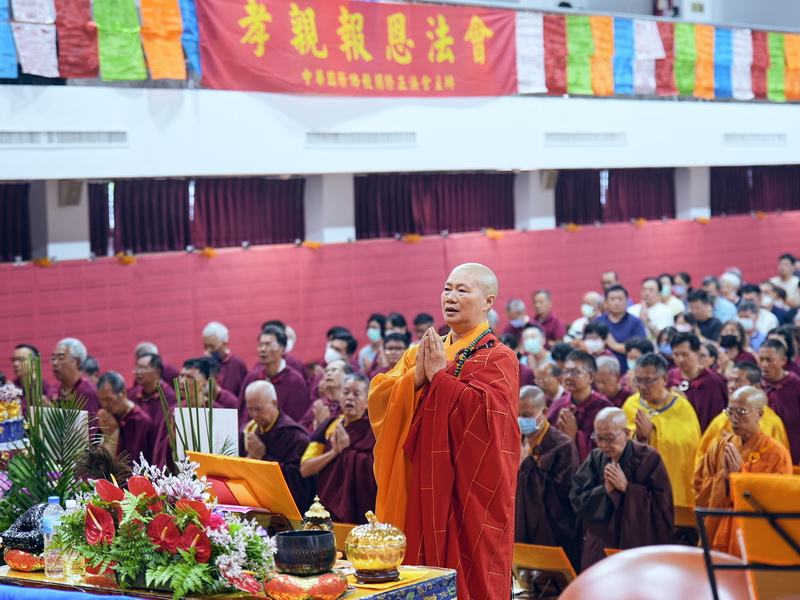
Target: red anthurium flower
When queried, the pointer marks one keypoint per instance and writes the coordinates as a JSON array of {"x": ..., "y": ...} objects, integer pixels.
[
  {"x": 138, "y": 486},
  {"x": 190, "y": 506},
  {"x": 163, "y": 533},
  {"x": 108, "y": 492},
  {"x": 194, "y": 537},
  {"x": 99, "y": 525}
]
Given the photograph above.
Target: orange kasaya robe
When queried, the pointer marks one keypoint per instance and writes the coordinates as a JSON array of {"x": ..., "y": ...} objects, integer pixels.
[
  {"x": 446, "y": 460},
  {"x": 761, "y": 454}
]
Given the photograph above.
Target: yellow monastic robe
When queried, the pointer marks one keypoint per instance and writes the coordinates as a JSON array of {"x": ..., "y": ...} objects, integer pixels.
[
  {"x": 770, "y": 423},
  {"x": 392, "y": 402},
  {"x": 676, "y": 433},
  {"x": 761, "y": 454}
]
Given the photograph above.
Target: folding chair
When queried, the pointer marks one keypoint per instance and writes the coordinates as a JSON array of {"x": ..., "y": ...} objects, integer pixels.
[{"x": 550, "y": 559}]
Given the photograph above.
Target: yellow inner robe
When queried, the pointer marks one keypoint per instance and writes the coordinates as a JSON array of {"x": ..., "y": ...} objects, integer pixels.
[
  {"x": 720, "y": 426},
  {"x": 676, "y": 434}
]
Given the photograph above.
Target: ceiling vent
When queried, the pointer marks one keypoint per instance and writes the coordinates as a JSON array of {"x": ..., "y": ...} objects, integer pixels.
[
  {"x": 585, "y": 140},
  {"x": 361, "y": 140},
  {"x": 749, "y": 140},
  {"x": 63, "y": 139}
]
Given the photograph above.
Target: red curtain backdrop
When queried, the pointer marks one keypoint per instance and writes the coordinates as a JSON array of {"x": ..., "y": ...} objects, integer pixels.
[
  {"x": 730, "y": 191},
  {"x": 98, "y": 218},
  {"x": 776, "y": 188},
  {"x": 152, "y": 215},
  {"x": 428, "y": 203},
  {"x": 578, "y": 197},
  {"x": 15, "y": 223},
  {"x": 639, "y": 194},
  {"x": 228, "y": 212}
]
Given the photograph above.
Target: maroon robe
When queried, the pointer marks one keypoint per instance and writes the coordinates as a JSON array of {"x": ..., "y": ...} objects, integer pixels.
[
  {"x": 747, "y": 357},
  {"x": 295, "y": 363},
  {"x": 226, "y": 399},
  {"x": 85, "y": 389},
  {"x": 622, "y": 395},
  {"x": 585, "y": 414},
  {"x": 290, "y": 387},
  {"x": 285, "y": 443},
  {"x": 169, "y": 374},
  {"x": 232, "y": 372},
  {"x": 346, "y": 486},
  {"x": 792, "y": 367},
  {"x": 554, "y": 327},
  {"x": 784, "y": 399},
  {"x": 544, "y": 513},
  {"x": 308, "y": 419},
  {"x": 707, "y": 393},
  {"x": 526, "y": 376},
  {"x": 642, "y": 516},
  {"x": 137, "y": 435},
  {"x": 151, "y": 403},
  {"x": 515, "y": 331}
]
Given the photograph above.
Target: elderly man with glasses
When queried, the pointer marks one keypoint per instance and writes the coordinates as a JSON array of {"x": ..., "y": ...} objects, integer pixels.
[
  {"x": 665, "y": 421},
  {"x": 621, "y": 492},
  {"x": 66, "y": 361},
  {"x": 747, "y": 450}
]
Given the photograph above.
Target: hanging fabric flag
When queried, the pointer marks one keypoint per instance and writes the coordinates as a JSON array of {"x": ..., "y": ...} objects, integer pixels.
[
  {"x": 665, "y": 67},
  {"x": 602, "y": 61},
  {"x": 623, "y": 56},
  {"x": 8, "y": 51},
  {"x": 723, "y": 63},
  {"x": 121, "y": 55},
  {"x": 191, "y": 36},
  {"x": 161, "y": 37},
  {"x": 647, "y": 50},
  {"x": 580, "y": 49},
  {"x": 741, "y": 76},
  {"x": 555, "y": 54},
  {"x": 36, "y": 47},
  {"x": 530, "y": 53},
  {"x": 685, "y": 58},
  {"x": 32, "y": 11},
  {"x": 776, "y": 74},
  {"x": 792, "y": 45},
  {"x": 704, "y": 67},
  {"x": 760, "y": 64},
  {"x": 77, "y": 39}
]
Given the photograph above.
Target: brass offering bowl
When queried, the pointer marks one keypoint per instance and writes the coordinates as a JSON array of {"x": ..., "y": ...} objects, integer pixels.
[
  {"x": 376, "y": 550},
  {"x": 305, "y": 553}
]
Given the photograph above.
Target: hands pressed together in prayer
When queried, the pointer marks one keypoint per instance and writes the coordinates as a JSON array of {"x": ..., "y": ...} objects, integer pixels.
[
  {"x": 321, "y": 412},
  {"x": 525, "y": 451},
  {"x": 107, "y": 422},
  {"x": 731, "y": 459},
  {"x": 255, "y": 447},
  {"x": 339, "y": 439},
  {"x": 615, "y": 478},
  {"x": 431, "y": 358},
  {"x": 381, "y": 361},
  {"x": 644, "y": 426},
  {"x": 567, "y": 424}
]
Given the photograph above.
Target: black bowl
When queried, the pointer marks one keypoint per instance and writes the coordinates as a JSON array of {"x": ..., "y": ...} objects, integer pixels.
[{"x": 305, "y": 553}]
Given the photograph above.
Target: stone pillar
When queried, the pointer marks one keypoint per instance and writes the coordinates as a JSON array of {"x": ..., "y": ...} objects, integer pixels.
[
  {"x": 693, "y": 193},
  {"x": 535, "y": 200},
  {"x": 59, "y": 213},
  {"x": 330, "y": 208}
]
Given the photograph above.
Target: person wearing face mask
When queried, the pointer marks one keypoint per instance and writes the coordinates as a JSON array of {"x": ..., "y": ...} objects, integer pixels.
[
  {"x": 635, "y": 348},
  {"x": 232, "y": 368},
  {"x": 591, "y": 308},
  {"x": 724, "y": 310},
  {"x": 667, "y": 283},
  {"x": 594, "y": 340},
  {"x": 548, "y": 462},
  {"x": 533, "y": 346},
  {"x": 518, "y": 318},
  {"x": 733, "y": 343},
  {"x": 662, "y": 343},
  {"x": 376, "y": 328},
  {"x": 701, "y": 308},
  {"x": 683, "y": 286},
  {"x": 766, "y": 321},
  {"x": 748, "y": 312},
  {"x": 774, "y": 300}
]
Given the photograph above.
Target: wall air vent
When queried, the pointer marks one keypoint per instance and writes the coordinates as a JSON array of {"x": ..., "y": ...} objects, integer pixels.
[
  {"x": 585, "y": 140},
  {"x": 361, "y": 140},
  {"x": 750, "y": 140},
  {"x": 63, "y": 139}
]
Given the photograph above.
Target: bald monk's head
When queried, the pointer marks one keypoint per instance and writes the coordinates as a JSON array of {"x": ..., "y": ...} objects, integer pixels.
[
  {"x": 468, "y": 296},
  {"x": 262, "y": 402},
  {"x": 532, "y": 409},
  {"x": 611, "y": 433},
  {"x": 745, "y": 409}
]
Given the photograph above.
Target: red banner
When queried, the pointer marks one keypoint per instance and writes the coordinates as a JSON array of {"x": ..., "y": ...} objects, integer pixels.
[{"x": 357, "y": 48}]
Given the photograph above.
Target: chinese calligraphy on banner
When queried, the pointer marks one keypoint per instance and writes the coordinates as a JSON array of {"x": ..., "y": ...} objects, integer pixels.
[{"x": 357, "y": 48}]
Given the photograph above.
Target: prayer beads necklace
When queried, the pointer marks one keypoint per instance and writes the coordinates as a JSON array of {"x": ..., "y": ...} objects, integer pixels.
[{"x": 467, "y": 352}]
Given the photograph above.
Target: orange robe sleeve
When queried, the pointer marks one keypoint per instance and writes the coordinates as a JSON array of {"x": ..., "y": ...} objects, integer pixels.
[{"x": 464, "y": 447}]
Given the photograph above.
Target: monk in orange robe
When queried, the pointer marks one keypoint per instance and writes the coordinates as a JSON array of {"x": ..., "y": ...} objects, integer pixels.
[
  {"x": 448, "y": 442},
  {"x": 748, "y": 450}
]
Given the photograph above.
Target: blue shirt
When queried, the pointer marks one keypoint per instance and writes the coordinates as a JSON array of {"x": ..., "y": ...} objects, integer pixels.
[
  {"x": 628, "y": 327},
  {"x": 725, "y": 310},
  {"x": 756, "y": 340}
]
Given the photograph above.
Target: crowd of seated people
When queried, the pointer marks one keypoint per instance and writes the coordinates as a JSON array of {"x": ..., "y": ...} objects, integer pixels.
[{"x": 634, "y": 407}]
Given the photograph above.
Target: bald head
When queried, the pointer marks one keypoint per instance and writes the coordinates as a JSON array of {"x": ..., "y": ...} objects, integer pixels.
[
  {"x": 613, "y": 417},
  {"x": 756, "y": 399},
  {"x": 533, "y": 397},
  {"x": 262, "y": 402},
  {"x": 483, "y": 276}
]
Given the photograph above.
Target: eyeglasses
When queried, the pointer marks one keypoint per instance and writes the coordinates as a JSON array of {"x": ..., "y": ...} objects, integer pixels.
[
  {"x": 737, "y": 412},
  {"x": 645, "y": 382},
  {"x": 58, "y": 358},
  {"x": 540, "y": 380},
  {"x": 574, "y": 372},
  {"x": 390, "y": 349},
  {"x": 267, "y": 345},
  {"x": 605, "y": 440},
  {"x": 332, "y": 371}
]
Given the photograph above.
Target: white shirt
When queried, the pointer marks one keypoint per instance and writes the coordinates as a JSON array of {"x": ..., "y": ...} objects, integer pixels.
[
  {"x": 766, "y": 321},
  {"x": 790, "y": 287},
  {"x": 659, "y": 314}
]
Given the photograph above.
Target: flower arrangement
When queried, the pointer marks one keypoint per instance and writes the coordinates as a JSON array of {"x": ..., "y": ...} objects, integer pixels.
[
  {"x": 43, "y": 262},
  {"x": 572, "y": 227},
  {"x": 493, "y": 234},
  {"x": 125, "y": 259},
  {"x": 207, "y": 252},
  {"x": 161, "y": 527}
]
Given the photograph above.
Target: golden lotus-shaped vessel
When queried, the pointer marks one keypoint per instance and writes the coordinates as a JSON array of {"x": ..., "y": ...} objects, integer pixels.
[{"x": 376, "y": 550}]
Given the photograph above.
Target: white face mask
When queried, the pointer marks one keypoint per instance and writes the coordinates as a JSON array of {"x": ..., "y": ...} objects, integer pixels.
[
  {"x": 683, "y": 328},
  {"x": 766, "y": 301},
  {"x": 331, "y": 355},
  {"x": 748, "y": 324},
  {"x": 587, "y": 310},
  {"x": 593, "y": 346}
]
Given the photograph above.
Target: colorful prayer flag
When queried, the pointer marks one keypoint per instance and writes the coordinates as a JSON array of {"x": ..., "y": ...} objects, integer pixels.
[
  {"x": 723, "y": 63},
  {"x": 792, "y": 47},
  {"x": 761, "y": 62},
  {"x": 776, "y": 74},
  {"x": 161, "y": 38},
  {"x": 741, "y": 72},
  {"x": 530, "y": 53},
  {"x": 685, "y": 58},
  {"x": 190, "y": 38},
  {"x": 647, "y": 49},
  {"x": 580, "y": 49},
  {"x": 704, "y": 67},
  {"x": 624, "y": 55},
  {"x": 32, "y": 11},
  {"x": 120, "y": 44},
  {"x": 555, "y": 54},
  {"x": 602, "y": 61},
  {"x": 665, "y": 67},
  {"x": 36, "y": 47}
]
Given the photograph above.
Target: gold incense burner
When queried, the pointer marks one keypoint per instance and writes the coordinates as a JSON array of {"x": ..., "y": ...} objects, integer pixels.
[
  {"x": 376, "y": 550},
  {"x": 316, "y": 517}
]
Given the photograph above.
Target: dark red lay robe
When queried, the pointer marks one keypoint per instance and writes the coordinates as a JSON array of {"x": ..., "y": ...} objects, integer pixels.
[
  {"x": 784, "y": 399},
  {"x": 47, "y": 388},
  {"x": 151, "y": 403},
  {"x": 290, "y": 388},
  {"x": 621, "y": 396},
  {"x": 227, "y": 399},
  {"x": 463, "y": 445},
  {"x": 544, "y": 513},
  {"x": 642, "y": 516},
  {"x": 285, "y": 443},
  {"x": 791, "y": 366},
  {"x": 137, "y": 435},
  {"x": 84, "y": 389},
  {"x": 526, "y": 376},
  {"x": 707, "y": 393},
  {"x": 346, "y": 486},
  {"x": 232, "y": 372},
  {"x": 585, "y": 414},
  {"x": 308, "y": 419}
]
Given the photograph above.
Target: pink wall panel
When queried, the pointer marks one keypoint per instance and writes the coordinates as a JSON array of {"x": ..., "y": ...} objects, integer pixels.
[{"x": 168, "y": 298}]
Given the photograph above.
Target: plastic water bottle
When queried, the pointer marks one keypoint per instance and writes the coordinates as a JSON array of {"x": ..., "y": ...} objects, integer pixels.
[
  {"x": 74, "y": 563},
  {"x": 51, "y": 519}
]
